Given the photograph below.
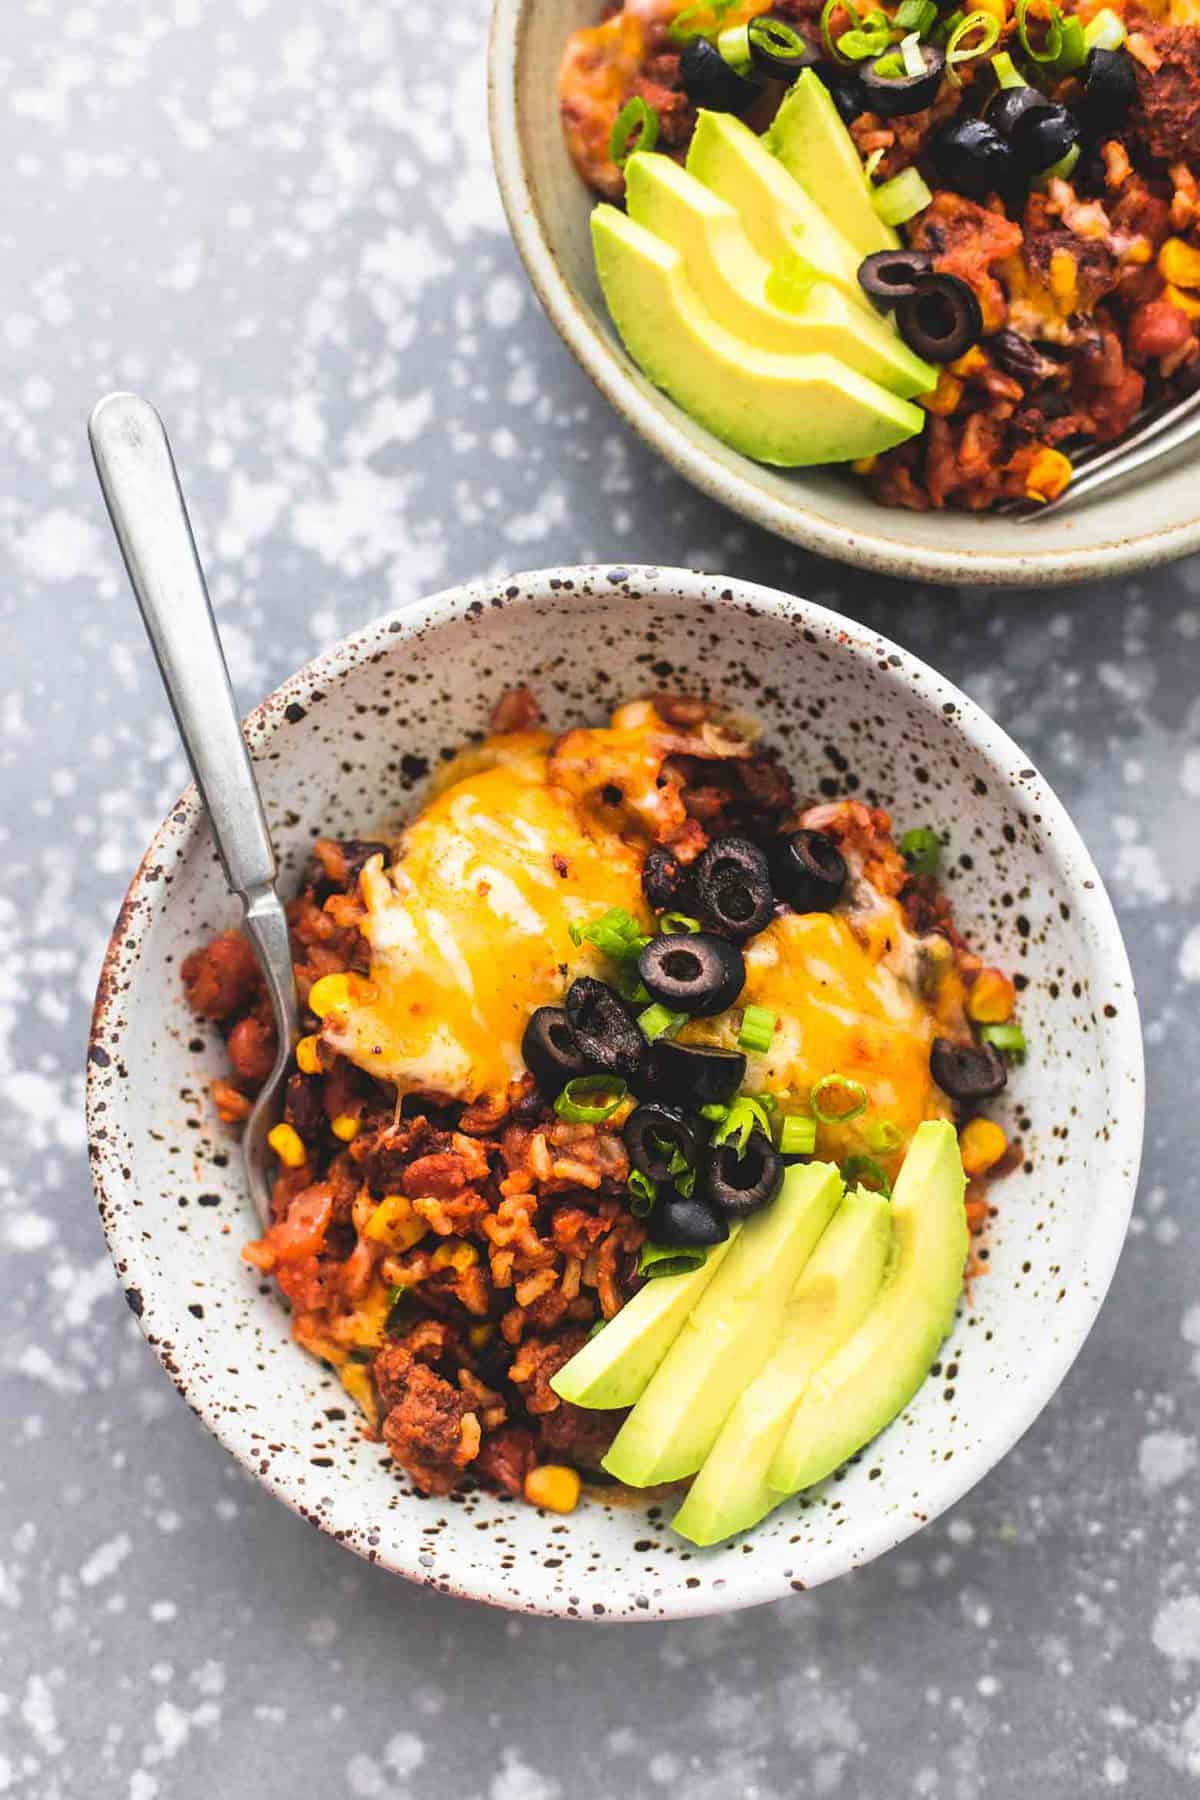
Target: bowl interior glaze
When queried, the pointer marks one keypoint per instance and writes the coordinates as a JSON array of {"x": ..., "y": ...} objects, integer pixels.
[
  {"x": 548, "y": 208},
  {"x": 344, "y": 748}
]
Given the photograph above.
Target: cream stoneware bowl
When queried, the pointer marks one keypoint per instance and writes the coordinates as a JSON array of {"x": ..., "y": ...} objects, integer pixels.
[
  {"x": 548, "y": 208},
  {"x": 344, "y": 747}
]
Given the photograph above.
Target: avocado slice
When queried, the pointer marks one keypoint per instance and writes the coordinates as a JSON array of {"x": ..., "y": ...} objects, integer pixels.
[
  {"x": 613, "y": 1368},
  {"x": 730, "y": 277},
  {"x": 876, "y": 1373},
  {"x": 786, "y": 410},
  {"x": 831, "y": 1299},
  {"x": 776, "y": 212},
  {"x": 727, "y": 1337},
  {"x": 813, "y": 144}
]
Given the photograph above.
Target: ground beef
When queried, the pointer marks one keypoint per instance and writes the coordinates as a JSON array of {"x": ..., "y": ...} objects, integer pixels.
[
  {"x": 1166, "y": 118},
  {"x": 432, "y": 1431},
  {"x": 506, "y": 1458}
]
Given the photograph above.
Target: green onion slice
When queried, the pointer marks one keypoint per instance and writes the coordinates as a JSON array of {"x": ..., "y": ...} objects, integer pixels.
[
  {"x": 791, "y": 280},
  {"x": 642, "y": 1194},
  {"x": 921, "y": 849},
  {"x": 910, "y": 54},
  {"x": 596, "y": 1329},
  {"x": 797, "y": 1135},
  {"x": 1074, "y": 50},
  {"x": 876, "y": 157},
  {"x": 714, "y": 1113},
  {"x": 590, "y": 1098},
  {"x": 703, "y": 19},
  {"x": 948, "y": 25},
  {"x": 1006, "y": 72},
  {"x": 686, "y": 1183},
  {"x": 615, "y": 933},
  {"x": 882, "y": 1136},
  {"x": 780, "y": 43},
  {"x": 870, "y": 38},
  {"x": 1105, "y": 30},
  {"x": 670, "y": 924},
  {"x": 827, "y": 11},
  {"x": 836, "y": 1099},
  {"x": 634, "y": 128},
  {"x": 1062, "y": 169},
  {"x": 901, "y": 198},
  {"x": 745, "y": 1115},
  {"x": 734, "y": 46},
  {"x": 669, "y": 1259},
  {"x": 1008, "y": 1039},
  {"x": 958, "y": 51},
  {"x": 758, "y": 1028},
  {"x": 658, "y": 1021},
  {"x": 1051, "y": 45},
  {"x": 915, "y": 15},
  {"x": 866, "y": 1172}
]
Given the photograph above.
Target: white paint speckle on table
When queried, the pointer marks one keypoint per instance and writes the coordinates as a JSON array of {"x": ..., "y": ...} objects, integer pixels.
[{"x": 277, "y": 218}]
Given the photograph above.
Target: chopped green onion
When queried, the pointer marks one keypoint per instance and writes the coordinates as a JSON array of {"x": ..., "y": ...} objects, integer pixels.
[
  {"x": 827, "y": 12},
  {"x": 703, "y": 19},
  {"x": 1074, "y": 50},
  {"x": 910, "y": 54},
  {"x": 955, "y": 53},
  {"x": 901, "y": 198},
  {"x": 947, "y": 26},
  {"x": 758, "y": 1028},
  {"x": 797, "y": 1135},
  {"x": 1006, "y": 72},
  {"x": 921, "y": 849},
  {"x": 866, "y": 1172},
  {"x": 590, "y": 1098},
  {"x": 642, "y": 1194},
  {"x": 615, "y": 933},
  {"x": 791, "y": 280},
  {"x": 1008, "y": 1039},
  {"x": 714, "y": 1113},
  {"x": 780, "y": 46},
  {"x": 870, "y": 38},
  {"x": 876, "y": 157},
  {"x": 673, "y": 923},
  {"x": 634, "y": 128},
  {"x": 915, "y": 15},
  {"x": 669, "y": 1259},
  {"x": 848, "y": 1098},
  {"x": 686, "y": 1183},
  {"x": 734, "y": 46},
  {"x": 657, "y": 1021},
  {"x": 596, "y": 1329},
  {"x": 768, "y": 1102},
  {"x": 1062, "y": 169},
  {"x": 402, "y": 1306},
  {"x": 1105, "y": 30},
  {"x": 882, "y": 1136},
  {"x": 744, "y": 1116},
  {"x": 1051, "y": 43}
]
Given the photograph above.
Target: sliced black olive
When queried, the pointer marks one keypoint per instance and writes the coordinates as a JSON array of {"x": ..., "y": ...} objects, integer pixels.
[
  {"x": 653, "y": 1133},
  {"x": 1109, "y": 90},
  {"x": 967, "y": 1071},
  {"x": 845, "y": 90},
  {"x": 941, "y": 320},
  {"x": 678, "y": 1219},
  {"x": 971, "y": 157},
  {"x": 708, "y": 80},
  {"x": 738, "y": 1185},
  {"x": 891, "y": 275},
  {"x": 693, "y": 972},
  {"x": 551, "y": 1049},
  {"x": 694, "y": 1074},
  {"x": 1008, "y": 105},
  {"x": 605, "y": 1031},
  {"x": 809, "y": 871},
  {"x": 664, "y": 878},
  {"x": 777, "y": 49},
  {"x": 733, "y": 886},
  {"x": 892, "y": 95},
  {"x": 1042, "y": 138}
]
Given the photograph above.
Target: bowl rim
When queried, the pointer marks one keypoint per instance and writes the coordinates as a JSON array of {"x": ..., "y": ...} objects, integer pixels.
[
  {"x": 1091, "y": 908},
  {"x": 652, "y": 415}
]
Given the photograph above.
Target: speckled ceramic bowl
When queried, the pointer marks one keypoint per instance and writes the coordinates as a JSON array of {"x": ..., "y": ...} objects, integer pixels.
[
  {"x": 548, "y": 208},
  {"x": 343, "y": 747}
]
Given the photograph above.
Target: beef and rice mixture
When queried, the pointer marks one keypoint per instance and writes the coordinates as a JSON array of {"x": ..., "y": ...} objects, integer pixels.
[
  {"x": 1089, "y": 286},
  {"x": 448, "y": 1259}
]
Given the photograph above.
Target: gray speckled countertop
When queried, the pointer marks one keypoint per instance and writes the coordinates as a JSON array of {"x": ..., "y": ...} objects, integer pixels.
[{"x": 277, "y": 218}]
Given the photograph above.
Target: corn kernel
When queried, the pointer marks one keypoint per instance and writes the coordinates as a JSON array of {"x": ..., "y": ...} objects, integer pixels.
[
  {"x": 288, "y": 1146},
  {"x": 395, "y": 1224},
  {"x": 971, "y": 362},
  {"x": 982, "y": 1143},
  {"x": 554, "y": 1487},
  {"x": 991, "y": 998},
  {"x": 330, "y": 994},
  {"x": 454, "y": 1255},
  {"x": 479, "y": 1335},
  {"x": 945, "y": 396},
  {"x": 345, "y": 1126},
  {"x": 357, "y": 1382},
  {"x": 864, "y": 465},
  {"x": 1063, "y": 271},
  {"x": 307, "y": 1060},
  {"x": 1179, "y": 263},
  {"x": 1049, "y": 473},
  {"x": 1187, "y": 303}
]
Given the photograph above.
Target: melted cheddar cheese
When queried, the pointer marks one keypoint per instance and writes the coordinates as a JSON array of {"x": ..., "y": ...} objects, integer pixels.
[{"x": 469, "y": 930}]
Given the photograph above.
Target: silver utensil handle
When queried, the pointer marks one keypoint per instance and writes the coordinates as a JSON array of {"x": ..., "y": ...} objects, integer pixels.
[{"x": 141, "y": 488}]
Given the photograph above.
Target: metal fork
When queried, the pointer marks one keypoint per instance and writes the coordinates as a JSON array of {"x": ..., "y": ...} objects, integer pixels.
[{"x": 1159, "y": 435}]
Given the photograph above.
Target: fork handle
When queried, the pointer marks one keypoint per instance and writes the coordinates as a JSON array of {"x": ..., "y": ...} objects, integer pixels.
[{"x": 145, "y": 503}]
